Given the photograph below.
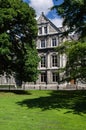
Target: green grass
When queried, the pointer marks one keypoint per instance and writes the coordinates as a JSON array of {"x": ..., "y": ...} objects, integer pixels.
[{"x": 42, "y": 110}]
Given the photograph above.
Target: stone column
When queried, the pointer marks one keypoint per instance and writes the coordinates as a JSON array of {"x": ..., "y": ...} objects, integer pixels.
[{"x": 48, "y": 77}]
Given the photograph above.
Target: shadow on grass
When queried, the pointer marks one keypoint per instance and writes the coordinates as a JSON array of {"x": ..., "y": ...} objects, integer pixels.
[
  {"x": 73, "y": 100},
  {"x": 19, "y": 92}
]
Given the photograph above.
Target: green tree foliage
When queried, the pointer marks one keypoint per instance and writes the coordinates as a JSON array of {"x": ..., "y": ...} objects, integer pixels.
[
  {"x": 73, "y": 13},
  {"x": 76, "y": 60},
  {"x": 18, "y": 30}
]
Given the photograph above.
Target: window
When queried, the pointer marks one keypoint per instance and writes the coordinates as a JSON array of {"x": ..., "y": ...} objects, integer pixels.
[
  {"x": 42, "y": 43},
  {"x": 40, "y": 30},
  {"x": 43, "y": 77},
  {"x": 55, "y": 77},
  {"x": 43, "y": 61},
  {"x": 54, "y": 42},
  {"x": 45, "y": 30},
  {"x": 54, "y": 61}
]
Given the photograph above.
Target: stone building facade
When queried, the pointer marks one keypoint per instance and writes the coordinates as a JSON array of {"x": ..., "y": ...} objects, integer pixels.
[
  {"x": 47, "y": 40},
  {"x": 50, "y": 61}
]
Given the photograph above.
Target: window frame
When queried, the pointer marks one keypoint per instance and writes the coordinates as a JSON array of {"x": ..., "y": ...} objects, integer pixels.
[
  {"x": 43, "y": 43},
  {"x": 43, "y": 77},
  {"x": 40, "y": 30},
  {"x": 55, "y": 77},
  {"x": 54, "y": 60},
  {"x": 43, "y": 61},
  {"x": 54, "y": 42},
  {"x": 45, "y": 30}
]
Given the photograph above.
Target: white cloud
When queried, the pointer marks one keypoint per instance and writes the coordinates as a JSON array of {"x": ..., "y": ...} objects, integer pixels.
[
  {"x": 57, "y": 21},
  {"x": 41, "y": 6},
  {"x": 44, "y": 6}
]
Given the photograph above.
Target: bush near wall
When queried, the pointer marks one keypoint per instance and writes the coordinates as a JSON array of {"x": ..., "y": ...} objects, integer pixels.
[{"x": 7, "y": 86}]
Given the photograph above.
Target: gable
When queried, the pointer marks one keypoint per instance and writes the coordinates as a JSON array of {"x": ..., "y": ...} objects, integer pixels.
[
  {"x": 52, "y": 29},
  {"x": 43, "y": 21}
]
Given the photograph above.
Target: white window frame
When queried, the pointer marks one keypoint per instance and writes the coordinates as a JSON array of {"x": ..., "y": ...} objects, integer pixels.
[
  {"x": 45, "y": 31},
  {"x": 55, "y": 77},
  {"x": 40, "y": 30},
  {"x": 43, "y": 77},
  {"x": 54, "y": 42},
  {"x": 54, "y": 59},
  {"x": 43, "y": 61},
  {"x": 43, "y": 41}
]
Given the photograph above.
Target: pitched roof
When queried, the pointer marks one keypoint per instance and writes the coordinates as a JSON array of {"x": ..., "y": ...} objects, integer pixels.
[{"x": 46, "y": 20}]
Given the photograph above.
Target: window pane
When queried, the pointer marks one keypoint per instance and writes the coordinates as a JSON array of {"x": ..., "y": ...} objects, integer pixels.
[
  {"x": 54, "y": 61},
  {"x": 40, "y": 30},
  {"x": 54, "y": 77},
  {"x": 42, "y": 43},
  {"x": 45, "y": 29},
  {"x": 43, "y": 61},
  {"x": 43, "y": 77},
  {"x": 54, "y": 42}
]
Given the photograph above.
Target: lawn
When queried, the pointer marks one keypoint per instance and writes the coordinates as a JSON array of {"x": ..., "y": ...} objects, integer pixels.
[{"x": 43, "y": 110}]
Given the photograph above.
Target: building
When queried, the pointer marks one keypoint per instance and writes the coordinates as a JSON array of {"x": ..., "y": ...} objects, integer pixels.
[
  {"x": 47, "y": 40},
  {"x": 50, "y": 61}
]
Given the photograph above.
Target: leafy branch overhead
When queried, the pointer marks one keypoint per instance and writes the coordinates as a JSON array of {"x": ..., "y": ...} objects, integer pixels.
[{"x": 73, "y": 13}]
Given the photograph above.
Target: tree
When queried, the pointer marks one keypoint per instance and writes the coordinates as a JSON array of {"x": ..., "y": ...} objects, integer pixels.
[
  {"x": 18, "y": 30},
  {"x": 73, "y": 13},
  {"x": 76, "y": 60}
]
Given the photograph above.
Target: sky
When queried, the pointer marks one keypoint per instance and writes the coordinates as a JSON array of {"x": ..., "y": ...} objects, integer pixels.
[{"x": 44, "y": 6}]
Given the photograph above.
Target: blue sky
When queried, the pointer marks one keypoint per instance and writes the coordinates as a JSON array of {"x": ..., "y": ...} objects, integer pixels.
[{"x": 44, "y": 6}]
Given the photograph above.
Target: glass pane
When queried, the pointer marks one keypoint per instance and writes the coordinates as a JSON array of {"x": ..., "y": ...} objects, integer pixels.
[
  {"x": 42, "y": 43},
  {"x": 54, "y": 42}
]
